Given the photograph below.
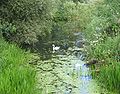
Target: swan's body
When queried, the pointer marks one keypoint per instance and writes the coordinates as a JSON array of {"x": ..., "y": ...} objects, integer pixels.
[{"x": 55, "y": 48}]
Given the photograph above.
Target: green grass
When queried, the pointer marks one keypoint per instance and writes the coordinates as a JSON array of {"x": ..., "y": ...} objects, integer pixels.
[
  {"x": 16, "y": 76},
  {"x": 109, "y": 76}
]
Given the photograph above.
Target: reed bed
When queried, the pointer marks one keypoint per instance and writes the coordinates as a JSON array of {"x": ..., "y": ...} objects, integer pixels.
[{"x": 16, "y": 76}]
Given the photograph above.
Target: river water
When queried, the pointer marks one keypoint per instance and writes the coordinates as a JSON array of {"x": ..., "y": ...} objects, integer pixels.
[{"x": 66, "y": 74}]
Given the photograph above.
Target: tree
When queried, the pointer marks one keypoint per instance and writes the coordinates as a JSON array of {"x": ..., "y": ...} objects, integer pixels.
[{"x": 30, "y": 18}]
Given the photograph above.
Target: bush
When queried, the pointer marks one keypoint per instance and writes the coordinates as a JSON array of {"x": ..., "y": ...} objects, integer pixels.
[
  {"x": 30, "y": 18},
  {"x": 105, "y": 49},
  {"x": 70, "y": 18}
]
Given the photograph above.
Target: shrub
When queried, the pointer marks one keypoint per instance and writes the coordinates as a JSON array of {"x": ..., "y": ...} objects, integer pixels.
[
  {"x": 30, "y": 18},
  {"x": 104, "y": 49}
]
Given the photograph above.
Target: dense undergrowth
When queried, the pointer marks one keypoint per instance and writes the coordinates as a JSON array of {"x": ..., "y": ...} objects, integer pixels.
[
  {"x": 16, "y": 76},
  {"x": 108, "y": 55},
  {"x": 103, "y": 34}
]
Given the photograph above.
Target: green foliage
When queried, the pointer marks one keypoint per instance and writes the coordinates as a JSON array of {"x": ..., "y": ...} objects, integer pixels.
[
  {"x": 70, "y": 18},
  {"x": 109, "y": 77},
  {"x": 22, "y": 10},
  {"x": 43, "y": 20},
  {"x": 114, "y": 7},
  {"x": 7, "y": 27},
  {"x": 16, "y": 77},
  {"x": 105, "y": 49},
  {"x": 103, "y": 19},
  {"x": 30, "y": 19},
  {"x": 81, "y": 1},
  {"x": 103, "y": 35}
]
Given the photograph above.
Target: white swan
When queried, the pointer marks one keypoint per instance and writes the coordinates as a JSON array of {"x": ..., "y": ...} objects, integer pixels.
[{"x": 55, "y": 48}]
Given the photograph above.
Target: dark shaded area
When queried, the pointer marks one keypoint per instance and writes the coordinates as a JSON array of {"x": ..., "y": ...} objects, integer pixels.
[{"x": 112, "y": 30}]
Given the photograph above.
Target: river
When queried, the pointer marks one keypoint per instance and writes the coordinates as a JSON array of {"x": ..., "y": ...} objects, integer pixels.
[{"x": 66, "y": 74}]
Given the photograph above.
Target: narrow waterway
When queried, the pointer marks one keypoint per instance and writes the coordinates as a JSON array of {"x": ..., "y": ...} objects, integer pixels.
[{"x": 66, "y": 74}]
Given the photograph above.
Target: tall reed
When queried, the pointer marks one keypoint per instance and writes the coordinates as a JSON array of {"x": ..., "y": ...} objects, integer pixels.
[
  {"x": 108, "y": 51},
  {"x": 16, "y": 76},
  {"x": 109, "y": 76}
]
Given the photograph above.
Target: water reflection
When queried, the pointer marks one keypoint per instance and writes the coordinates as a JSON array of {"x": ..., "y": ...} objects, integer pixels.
[
  {"x": 82, "y": 74},
  {"x": 65, "y": 74}
]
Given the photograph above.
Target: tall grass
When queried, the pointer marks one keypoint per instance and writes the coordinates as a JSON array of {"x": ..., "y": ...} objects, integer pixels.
[
  {"x": 106, "y": 49},
  {"x": 109, "y": 71},
  {"x": 16, "y": 76},
  {"x": 109, "y": 76}
]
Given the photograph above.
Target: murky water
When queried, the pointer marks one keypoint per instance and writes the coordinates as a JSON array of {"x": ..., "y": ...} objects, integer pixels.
[{"x": 66, "y": 74}]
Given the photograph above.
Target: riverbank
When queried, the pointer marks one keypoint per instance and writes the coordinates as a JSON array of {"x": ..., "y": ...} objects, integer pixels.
[
  {"x": 107, "y": 55},
  {"x": 16, "y": 76}
]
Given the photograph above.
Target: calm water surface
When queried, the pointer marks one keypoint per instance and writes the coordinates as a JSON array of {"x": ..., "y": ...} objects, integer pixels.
[{"x": 66, "y": 74}]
